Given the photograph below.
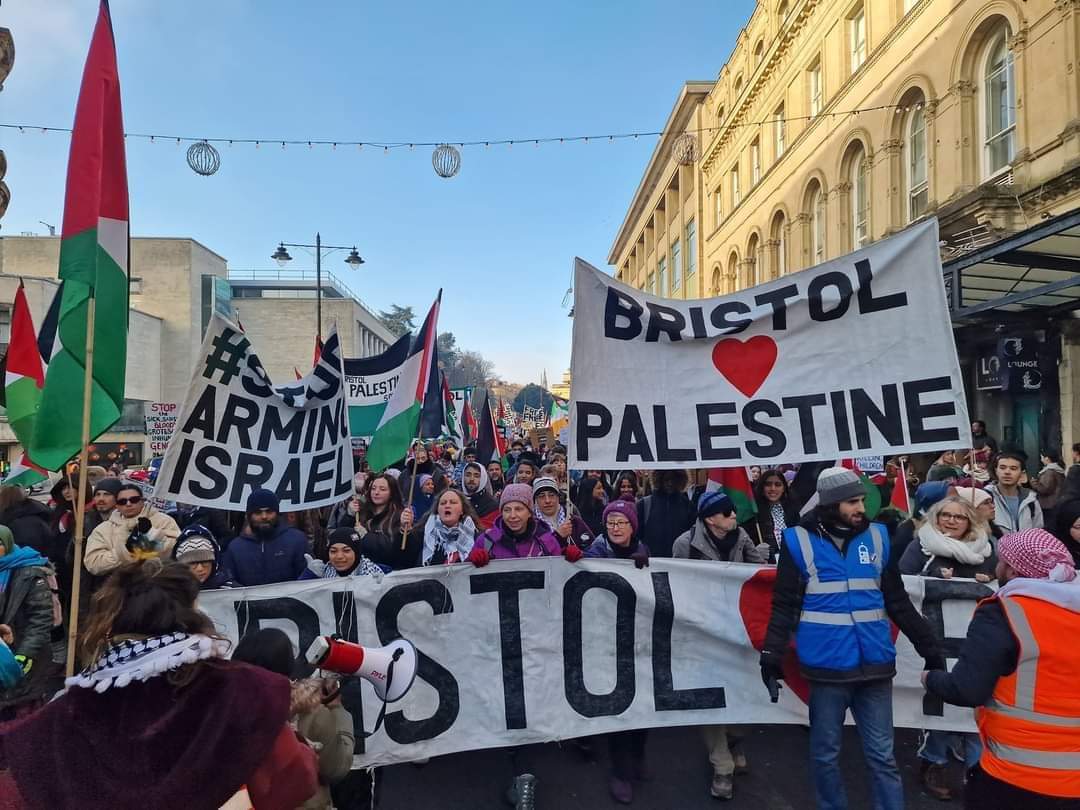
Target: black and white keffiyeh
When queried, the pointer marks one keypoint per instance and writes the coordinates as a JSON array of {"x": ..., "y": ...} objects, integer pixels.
[{"x": 141, "y": 659}]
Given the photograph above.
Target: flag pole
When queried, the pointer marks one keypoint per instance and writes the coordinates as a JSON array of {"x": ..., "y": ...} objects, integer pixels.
[
  {"x": 80, "y": 509},
  {"x": 412, "y": 479}
]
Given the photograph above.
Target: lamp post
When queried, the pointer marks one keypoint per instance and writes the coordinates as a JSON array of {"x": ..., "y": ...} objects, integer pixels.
[{"x": 282, "y": 257}]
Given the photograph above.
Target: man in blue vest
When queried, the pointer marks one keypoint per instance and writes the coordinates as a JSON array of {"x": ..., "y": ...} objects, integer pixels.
[{"x": 837, "y": 586}]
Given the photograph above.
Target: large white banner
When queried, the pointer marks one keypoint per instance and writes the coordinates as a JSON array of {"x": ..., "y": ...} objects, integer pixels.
[
  {"x": 536, "y": 650},
  {"x": 854, "y": 357},
  {"x": 238, "y": 432}
]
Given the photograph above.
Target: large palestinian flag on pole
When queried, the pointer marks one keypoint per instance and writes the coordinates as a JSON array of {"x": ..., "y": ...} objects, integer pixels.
[
  {"x": 400, "y": 422},
  {"x": 93, "y": 264}
]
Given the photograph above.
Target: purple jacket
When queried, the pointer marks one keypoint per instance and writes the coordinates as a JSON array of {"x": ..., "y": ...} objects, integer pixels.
[{"x": 540, "y": 542}]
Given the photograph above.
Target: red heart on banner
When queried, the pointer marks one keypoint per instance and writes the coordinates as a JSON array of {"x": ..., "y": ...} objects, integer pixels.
[
  {"x": 755, "y": 605},
  {"x": 745, "y": 363}
]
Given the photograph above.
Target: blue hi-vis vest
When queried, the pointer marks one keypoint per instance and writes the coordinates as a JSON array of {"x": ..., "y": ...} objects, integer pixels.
[{"x": 843, "y": 628}]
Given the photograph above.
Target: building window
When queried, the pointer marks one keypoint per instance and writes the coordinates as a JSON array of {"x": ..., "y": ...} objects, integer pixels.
[
  {"x": 718, "y": 196},
  {"x": 5, "y": 327},
  {"x": 738, "y": 86},
  {"x": 783, "y": 11},
  {"x": 134, "y": 285},
  {"x": 661, "y": 276},
  {"x": 717, "y": 281},
  {"x": 815, "y": 93},
  {"x": 651, "y": 283},
  {"x": 779, "y": 131},
  {"x": 915, "y": 161},
  {"x": 817, "y": 225},
  {"x": 753, "y": 265},
  {"x": 735, "y": 197},
  {"x": 676, "y": 265},
  {"x": 759, "y": 53},
  {"x": 720, "y": 115},
  {"x": 755, "y": 162},
  {"x": 999, "y": 104},
  {"x": 857, "y": 37},
  {"x": 860, "y": 201},
  {"x": 779, "y": 240},
  {"x": 732, "y": 281},
  {"x": 691, "y": 248}
]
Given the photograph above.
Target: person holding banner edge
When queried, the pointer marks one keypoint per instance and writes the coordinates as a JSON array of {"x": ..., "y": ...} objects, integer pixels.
[{"x": 837, "y": 586}]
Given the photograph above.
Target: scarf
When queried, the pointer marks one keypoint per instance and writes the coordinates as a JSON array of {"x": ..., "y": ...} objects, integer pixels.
[
  {"x": 444, "y": 545},
  {"x": 779, "y": 522},
  {"x": 936, "y": 544},
  {"x": 559, "y": 518},
  {"x": 363, "y": 568},
  {"x": 139, "y": 659},
  {"x": 20, "y": 557},
  {"x": 724, "y": 545}
]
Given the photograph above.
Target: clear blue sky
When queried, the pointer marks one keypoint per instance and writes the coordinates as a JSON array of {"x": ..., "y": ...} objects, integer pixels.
[{"x": 500, "y": 237}]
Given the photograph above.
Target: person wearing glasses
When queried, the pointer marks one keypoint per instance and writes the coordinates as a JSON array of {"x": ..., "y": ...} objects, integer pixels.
[
  {"x": 953, "y": 541},
  {"x": 110, "y": 545}
]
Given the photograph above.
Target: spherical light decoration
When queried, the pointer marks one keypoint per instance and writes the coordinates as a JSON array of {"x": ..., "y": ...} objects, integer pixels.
[
  {"x": 446, "y": 160},
  {"x": 203, "y": 158},
  {"x": 686, "y": 149}
]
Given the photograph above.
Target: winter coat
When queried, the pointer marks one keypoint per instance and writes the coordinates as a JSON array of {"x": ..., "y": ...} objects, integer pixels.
[
  {"x": 29, "y": 523},
  {"x": 1031, "y": 516},
  {"x": 254, "y": 561},
  {"x": 915, "y": 561},
  {"x": 662, "y": 518},
  {"x": 603, "y": 549},
  {"x": 580, "y": 533},
  {"x": 26, "y": 606},
  {"x": 1050, "y": 488},
  {"x": 380, "y": 542},
  {"x": 341, "y": 516},
  {"x": 332, "y": 729},
  {"x": 106, "y": 547},
  {"x": 536, "y": 541},
  {"x": 694, "y": 544},
  {"x": 760, "y": 526}
]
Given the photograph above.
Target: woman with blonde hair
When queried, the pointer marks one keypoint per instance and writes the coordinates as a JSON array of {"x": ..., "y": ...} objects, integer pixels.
[{"x": 953, "y": 541}]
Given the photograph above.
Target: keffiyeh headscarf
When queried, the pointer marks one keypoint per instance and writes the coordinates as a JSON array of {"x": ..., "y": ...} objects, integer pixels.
[
  {"x": 445, "y": 545},
  {"x": 144, "y": 658}
]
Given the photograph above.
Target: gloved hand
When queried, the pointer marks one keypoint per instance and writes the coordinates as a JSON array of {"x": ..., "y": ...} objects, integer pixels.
[
  {"x": 772, "y": 670},
  {"x": 935, "y": 662},
  {"x": 133, "y": 541},
  {"x": 640, "y": 558},
  {"x": 573, "y": 553},
  {"x": 479, "y": 557}
]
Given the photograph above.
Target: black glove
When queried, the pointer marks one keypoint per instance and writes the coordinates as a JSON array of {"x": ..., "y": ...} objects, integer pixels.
[
  {"x": 935, "y": 662},
  {"x": 134, "y": 541},
  {"x": 640, "y": 558},
  {"x": 772, "y": 666}
]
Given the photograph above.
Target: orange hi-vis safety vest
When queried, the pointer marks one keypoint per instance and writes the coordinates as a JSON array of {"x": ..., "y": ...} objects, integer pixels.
[{"x": 1030, "y": 727}]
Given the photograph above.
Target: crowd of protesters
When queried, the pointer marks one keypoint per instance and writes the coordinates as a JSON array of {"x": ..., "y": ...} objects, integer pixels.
[{"x": 975, "y": 514}]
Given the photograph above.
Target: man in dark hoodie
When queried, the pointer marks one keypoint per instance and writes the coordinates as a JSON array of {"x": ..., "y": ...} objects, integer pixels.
[
  {"x": 666, "y": 513},
  {"x": 268, "y": 550},
  {"x": 837, "y": 587}
]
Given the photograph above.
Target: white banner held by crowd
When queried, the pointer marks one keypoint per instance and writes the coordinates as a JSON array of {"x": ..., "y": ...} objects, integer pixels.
[
  {"x": 535, "y": 650},
  {"x": 238, "y": 432},
  {"x": 854, "y": 357}
]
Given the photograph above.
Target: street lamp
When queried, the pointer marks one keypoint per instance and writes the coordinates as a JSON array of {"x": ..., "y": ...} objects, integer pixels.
[{"x": 282, "y": 257}]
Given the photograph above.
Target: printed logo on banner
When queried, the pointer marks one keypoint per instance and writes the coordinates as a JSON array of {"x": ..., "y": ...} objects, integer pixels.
[
  {"x": 814, "y": 366},
  {"x": 238, "y": 432}
]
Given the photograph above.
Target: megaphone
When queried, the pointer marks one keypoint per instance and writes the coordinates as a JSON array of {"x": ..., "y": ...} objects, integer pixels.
[{"x": 390, "y": 669}]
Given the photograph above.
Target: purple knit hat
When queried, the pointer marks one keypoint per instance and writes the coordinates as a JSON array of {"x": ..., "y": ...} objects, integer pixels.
[
  {"x": 522, "y": 493},
  {"x": 624, "y": 508}
]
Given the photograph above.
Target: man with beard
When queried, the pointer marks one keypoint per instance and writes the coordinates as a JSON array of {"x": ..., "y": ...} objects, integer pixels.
[
  {"x": 268, "y": 550},
  {"x": 837, "y": 587},
  {"x": 478, "y": 490}
]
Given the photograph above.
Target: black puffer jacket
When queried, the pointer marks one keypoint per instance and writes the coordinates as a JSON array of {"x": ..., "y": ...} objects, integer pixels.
[
  {"x": 29, "y": 523},
  {"x": 26, "y": 606}
]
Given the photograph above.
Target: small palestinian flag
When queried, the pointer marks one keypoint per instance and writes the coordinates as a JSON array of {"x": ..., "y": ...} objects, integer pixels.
[{"x": 735, "y": 482}]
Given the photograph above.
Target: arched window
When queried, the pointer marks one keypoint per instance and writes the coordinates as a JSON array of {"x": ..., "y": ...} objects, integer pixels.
[
  {"x": 915, "y": 174},
  {"x": 717, "y": 281},
  {"x": 759, "y": 53},
  {"x": 738, "y": 86},
  {"x": 720, "y": 114},
  {"x": 731, "y": 283},
  {"x": 858, "y": 170},
  {"x": 815, "y": 209},
  {"x": 998, "y": 104},
  {"x": 753, "y": 270},
  {"x": 779, "y": 245},
  {"x": 782, "y": 11}
]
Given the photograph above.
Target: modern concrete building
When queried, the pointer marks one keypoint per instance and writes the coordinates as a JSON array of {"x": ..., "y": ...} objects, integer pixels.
[
  {"x": 834, "y": 123},
  {"x": 175, "y": 283}
]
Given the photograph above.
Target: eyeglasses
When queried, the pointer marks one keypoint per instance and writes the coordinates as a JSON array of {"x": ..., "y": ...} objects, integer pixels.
[
  {"x": 951, "y": 516},
  {"x": 132, "y": 500},
  {"x": 617, "y": 524}
]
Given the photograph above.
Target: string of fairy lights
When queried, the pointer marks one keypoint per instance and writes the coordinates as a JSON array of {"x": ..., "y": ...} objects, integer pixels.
[{"x": 204, "y": 157}]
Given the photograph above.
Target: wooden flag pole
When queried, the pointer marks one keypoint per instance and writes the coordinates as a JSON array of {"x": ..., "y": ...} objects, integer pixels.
[
  {"x": 80, "y": 500},
  {"x": 412, "y": 481}
]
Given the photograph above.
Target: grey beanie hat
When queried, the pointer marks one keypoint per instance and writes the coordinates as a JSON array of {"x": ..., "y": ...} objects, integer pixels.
[{"x": 835, "y": 484}]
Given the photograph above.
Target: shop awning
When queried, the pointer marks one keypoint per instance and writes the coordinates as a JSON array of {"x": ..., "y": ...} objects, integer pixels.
[{"x": 1035, "y": 271}]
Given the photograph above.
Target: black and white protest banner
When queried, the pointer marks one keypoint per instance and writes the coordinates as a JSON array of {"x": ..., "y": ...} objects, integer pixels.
[
  {"x": 854, "y": 357},
  {"x": 237, "y": 432},
  {"x": 369, "y": 384},
  {"x": 535, "y": 650}
]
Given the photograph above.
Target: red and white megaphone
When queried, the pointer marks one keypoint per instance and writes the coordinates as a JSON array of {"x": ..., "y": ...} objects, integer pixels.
[{"x": 390, "y": 669}]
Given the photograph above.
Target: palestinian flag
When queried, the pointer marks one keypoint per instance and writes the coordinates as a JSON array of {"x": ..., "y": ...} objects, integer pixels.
[
  {"x": 469, "y": 428},
  {"x": 559, "y": 416},
  {"x": 400, "y": 421},
  {"x": 490, "y": 446},
  {"x": 450, "y": 422},
  {"x": 901, "y": 499},
  {"x": 433, "y": 414},
  {"x": 872, "y": 504},
  {"x": 735, "y": 482},
  {"x": 24, "y": 376},
  {"x": 93, "y": 265}
]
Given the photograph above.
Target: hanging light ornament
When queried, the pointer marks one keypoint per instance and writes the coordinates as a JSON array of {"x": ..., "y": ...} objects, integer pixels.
[
  {"x": 446, "y": 160},
  {"x": 686, "y": 149},
  {"x": 203, "y": 158}
]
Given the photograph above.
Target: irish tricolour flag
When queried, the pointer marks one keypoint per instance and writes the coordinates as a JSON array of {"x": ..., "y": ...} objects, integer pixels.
[
  {"x": 400, "y": 421},
  {"x": 93, "y": 265}
]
